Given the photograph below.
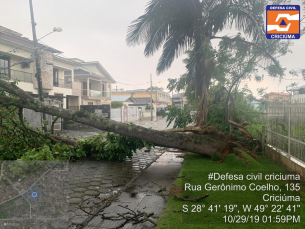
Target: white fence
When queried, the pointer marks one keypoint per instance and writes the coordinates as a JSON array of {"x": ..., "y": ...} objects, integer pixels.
[
  {"x": 125, "y": 114},
  {"x": 133, "y": 114},
  {"x": 116, "y": 114},
  {"x": 286, "y": 129},
  {"x": 34, "y": 118}
]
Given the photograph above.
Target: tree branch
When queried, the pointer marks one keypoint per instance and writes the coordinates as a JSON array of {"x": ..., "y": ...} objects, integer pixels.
[{"x": 250, "y": 44}]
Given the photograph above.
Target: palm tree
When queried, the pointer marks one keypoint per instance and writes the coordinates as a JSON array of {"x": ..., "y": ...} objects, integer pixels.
[{"x": 181, "y": 25}]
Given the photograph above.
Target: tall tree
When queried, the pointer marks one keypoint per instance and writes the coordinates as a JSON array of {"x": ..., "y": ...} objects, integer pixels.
[{"x": 180, "y": 25}]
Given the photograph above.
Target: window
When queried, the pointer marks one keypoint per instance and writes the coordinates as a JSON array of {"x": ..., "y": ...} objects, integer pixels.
[
  {"x": 90, "y": 103},
  {"x": 103, "y": 87},
  {"x": 68, "y": 80},
  {"x": 84, "y": 88},
  {"x": 67, "y": 73},
  {"x": 55, "y": 77},
  {"x": 5, "y": 66}
]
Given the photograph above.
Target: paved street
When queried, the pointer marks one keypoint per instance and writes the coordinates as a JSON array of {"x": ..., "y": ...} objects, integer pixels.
[
  {"x": 92, "y": 182},
  {"x": 148, "y": 193}
]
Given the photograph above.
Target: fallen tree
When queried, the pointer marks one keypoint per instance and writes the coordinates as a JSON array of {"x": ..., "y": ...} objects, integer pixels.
[{"x": 207, "y": 141}]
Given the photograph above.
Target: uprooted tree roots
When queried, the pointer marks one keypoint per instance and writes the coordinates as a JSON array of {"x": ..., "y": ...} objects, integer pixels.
[{"x": 232, "y": 141}]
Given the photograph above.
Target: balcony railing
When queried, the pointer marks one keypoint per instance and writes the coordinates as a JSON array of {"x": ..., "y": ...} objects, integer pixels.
[
  {"x": 106, "y": 94},
  {"x": 62, "y": 83},
  {"x": 73, "y": 108},
  {"x": 94, "y": 93},
  {"x": 22, "y": 76}
]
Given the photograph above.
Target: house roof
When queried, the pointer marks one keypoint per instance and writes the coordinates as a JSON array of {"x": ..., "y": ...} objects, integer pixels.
[
  {"x": 277, "y": 93},
  {"x": 130, "y": 91},
  {"x": 140, "y": 101},
  {"x": 15, "y": 38},
  {"x": 139, "y": 90},
  {"x": 256, "y": 101},
  {"x": 101, "y": 68}
]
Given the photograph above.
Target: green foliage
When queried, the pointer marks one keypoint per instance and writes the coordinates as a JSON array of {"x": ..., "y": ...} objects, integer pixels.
[
  {"x": 50, "y": 152},
  {"x": 255, "y": 130},
  {"x": 115, "y": 147},
  {"x": 70, "y": 122},
  {"x": 15, "y": 140},
  {"x": 178, "y": 25},
  {"x": 18, "y": 141},
  {"x": 20, "y": 169},
  {"x": 245, "y": 113},
  {"x": 116, "y": 104},
  {"x": 181, "y": 118},
  {"x": 155, "y": 88}
]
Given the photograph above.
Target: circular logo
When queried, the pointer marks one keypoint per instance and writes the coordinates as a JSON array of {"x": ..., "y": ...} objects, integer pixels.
[{"x": 34, "y": 194}]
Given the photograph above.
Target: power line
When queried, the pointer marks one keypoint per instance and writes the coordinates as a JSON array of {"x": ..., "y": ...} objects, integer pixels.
[
  {"x": 26, "y": 29},
  {"x": 291, "y": 79},
  {"x": 132, "y": 83},
  {"x": 127, "y": 79}
]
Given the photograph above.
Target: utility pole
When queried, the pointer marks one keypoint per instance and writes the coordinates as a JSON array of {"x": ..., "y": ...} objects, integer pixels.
[
  {"x": 37, "y": 60},
  {"x": 151, "y": 108}
]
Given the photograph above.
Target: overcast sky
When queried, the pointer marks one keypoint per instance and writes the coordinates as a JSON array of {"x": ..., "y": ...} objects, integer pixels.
[{"x": 95, "y": 30}]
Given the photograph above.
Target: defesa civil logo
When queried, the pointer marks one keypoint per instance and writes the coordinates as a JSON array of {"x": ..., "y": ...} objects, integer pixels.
[{"x": 283, "y": 22}]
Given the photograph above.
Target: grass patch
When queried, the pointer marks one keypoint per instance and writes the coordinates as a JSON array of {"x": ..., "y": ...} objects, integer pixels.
[{"x": 195, "y": 171}]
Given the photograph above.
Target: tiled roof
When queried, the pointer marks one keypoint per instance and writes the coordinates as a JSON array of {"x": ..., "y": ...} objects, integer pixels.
[
  {"x": 140, "y": 101},
  {"x": 278, "y": 93}
]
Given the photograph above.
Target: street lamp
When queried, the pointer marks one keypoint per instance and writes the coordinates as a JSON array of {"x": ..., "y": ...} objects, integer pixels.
[
  {"x": 55, "y": 29},
  {"x": 37, "y": 60}
]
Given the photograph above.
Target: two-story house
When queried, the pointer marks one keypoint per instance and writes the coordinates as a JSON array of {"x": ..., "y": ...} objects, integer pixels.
[
  {"x": 67, "y": 83},
  {"x": 277, "y": 96},
  {"x": 73, "y": 82},
  {"x": 161, "y": 98},
  {"x": 95, "y": 82}
]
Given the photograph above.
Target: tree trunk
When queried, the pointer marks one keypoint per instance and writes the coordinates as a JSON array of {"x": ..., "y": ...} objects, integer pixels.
[
  {"x": 230, "y": 97},
  {"x": 209, "y": 142},
  {"x": 203, "y": 108},
  {"x": 203, "y": 144},
  {"x": 204, "y": 70}
]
